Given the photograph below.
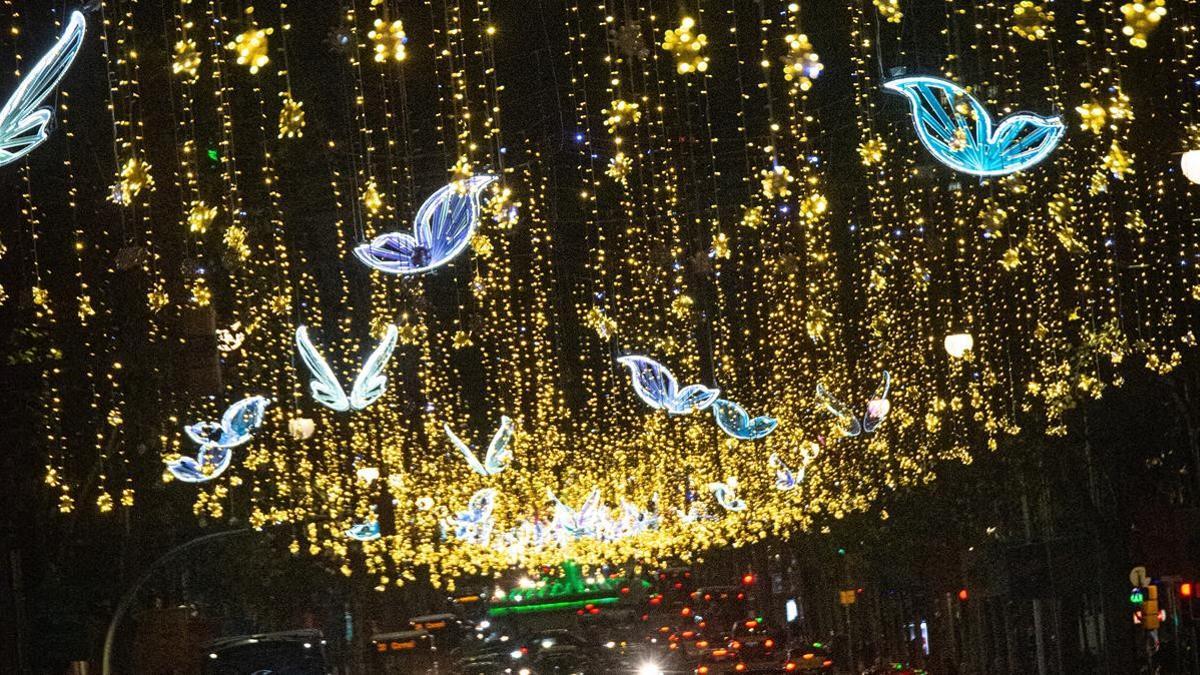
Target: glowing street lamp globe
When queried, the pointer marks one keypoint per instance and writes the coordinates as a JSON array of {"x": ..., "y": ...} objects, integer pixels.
[
  {"x": 958, "y": 344},
  {"x": 1190, "y": 163}
]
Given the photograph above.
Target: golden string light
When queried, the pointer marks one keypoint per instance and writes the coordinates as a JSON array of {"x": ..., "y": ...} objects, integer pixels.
[
  {"x": 731, "y": 280},
  {"x": 252, "y": 46}
]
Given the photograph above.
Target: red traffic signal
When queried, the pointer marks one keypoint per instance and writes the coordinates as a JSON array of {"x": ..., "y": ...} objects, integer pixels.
[
  {"x": 748, "y": 579},
  {"x": 963, "y": 594}
]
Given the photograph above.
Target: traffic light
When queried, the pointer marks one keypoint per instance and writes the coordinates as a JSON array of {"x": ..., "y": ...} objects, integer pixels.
[
  {"x": 963, "y": 595},
  {"x": 1150, "y": 618},
  {"x": 748, "y": 579},
  {"x": 1187, "y": 597}
]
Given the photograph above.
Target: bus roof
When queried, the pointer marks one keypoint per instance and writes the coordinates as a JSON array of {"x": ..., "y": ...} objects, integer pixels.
[
  {"x": 433, "y": 617},
  {"x": 398, "y": 635}
]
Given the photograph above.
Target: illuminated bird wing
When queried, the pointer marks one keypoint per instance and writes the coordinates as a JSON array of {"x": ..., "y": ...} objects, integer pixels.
[
  {"x": 482, "y": 503},
  {"x": 241, "y": 419},
  {"x": 735, "y": 421},
  {"x": 442, "y": 230},
  {"x": 371, "y": 381},
  {"x": 204, "y": 433},
  {"x": 1024, "y": 139},
  {"x": 466, "y": 451},
  {"x": 879, "y": 405},
  {"x": 324, "y": 386},
  {"x": 499, "y": 454},
  {"x": 658, "y": 388},
  {"x": 581, "y": 523},
  {"x": 475, "y": 524},
  {"x": 210, "y": 463},
  {"x": 23, "y": 126},
  {"x": 590, "y": 511},
  {"x": 365, "y": 531},
  {"x": 726, "y": 495},
  {"x": 564, "y": 516},
  {"x": 785, "y": 478},
  {"x": 959, "y": 132},
  {"x": 850, "y": 424},
  {"x": 236, "y": 425}
]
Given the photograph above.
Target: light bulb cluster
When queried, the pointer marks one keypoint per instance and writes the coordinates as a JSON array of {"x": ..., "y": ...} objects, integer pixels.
[{"x": 992, "y": 305}]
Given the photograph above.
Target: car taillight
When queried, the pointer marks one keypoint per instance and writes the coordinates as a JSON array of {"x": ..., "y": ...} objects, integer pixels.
[
  {"x": 740, "y": 667},
  {"x": 768, "y": 643},
  {"x": 702, "y": 644},
  {"x": 674, "y": 645},
  {"x": 702, "y": 670},
  {"x": 735, "y": 645},
  {"x": 789, "y": 666},
  {"x": 826, "y": 663},
  {"x": 809, "y": 656}
]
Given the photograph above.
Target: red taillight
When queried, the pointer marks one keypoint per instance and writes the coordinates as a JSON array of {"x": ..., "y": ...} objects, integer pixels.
[
  {"x": 702, "y": 670},
  {"x": 686, "y": 611},
  {"x": 702, "y": 644},
  {"x": 751, "y": 624},
  {"x": 735, "y": 645},
  {"x": 748, "y": 579},
  {"x": 678, "y": 585},
  {"x": 826, "y": 663},
  {"x": 768, "y": 643},
  {"x": 789, "y": 666},
  {"x": 674, "y": 645},
  {"x": 1185, "y": 590},
  {"x": 689, "y": 634},
  {"x": 740, "y": 667},
  {"x": 594, "y": 610},
  {"x": 809, "y": 656}
]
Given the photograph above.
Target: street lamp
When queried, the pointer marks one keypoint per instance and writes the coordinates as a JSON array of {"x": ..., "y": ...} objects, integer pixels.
[{"x": 110, "y": 637}]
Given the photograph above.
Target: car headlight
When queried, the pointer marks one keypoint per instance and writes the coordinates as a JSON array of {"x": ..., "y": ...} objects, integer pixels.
[{"x": 649, "y": 668}]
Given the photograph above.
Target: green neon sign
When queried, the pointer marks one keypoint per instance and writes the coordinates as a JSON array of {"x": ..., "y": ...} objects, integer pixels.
[{"x": 550, "y": 606}]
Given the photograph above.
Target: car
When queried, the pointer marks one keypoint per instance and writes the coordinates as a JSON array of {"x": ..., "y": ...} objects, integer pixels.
[
  {"x": 809, "y": 658},
  {"x": 298, "y": 651},
  {"x": 556, "y": 637},
  {"x": 690, "y": 643},
  {"x": 895, "y": 668},
  {"x": 757, "y": 646},
  {"x": 719, "y": 661}
]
